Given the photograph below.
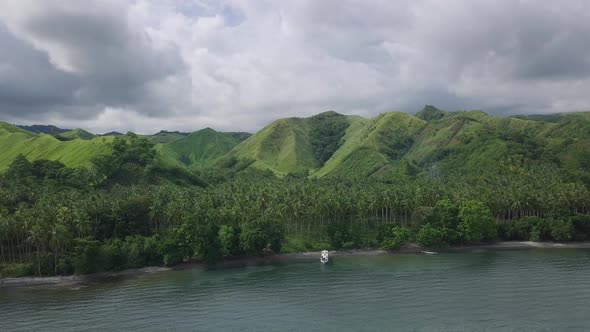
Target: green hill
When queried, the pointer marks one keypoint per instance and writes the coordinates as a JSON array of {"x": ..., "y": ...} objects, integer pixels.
[
  {"x": 354, "y": 146},
  {"x": 295, "y": 145},
  {"x": 76, "y": 134},
  {"x": 44, "y": 129},
  {"x": 74, "y": 153},
  {"x": 166, "y": 136},
  {"x": 332, "y": 144},
  {"x": 196, "y": 151}
]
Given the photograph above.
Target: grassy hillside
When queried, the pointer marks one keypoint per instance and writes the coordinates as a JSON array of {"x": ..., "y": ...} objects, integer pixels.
[
  {"x": 44, "y": 129},
  {"x": 74, "y": 153},
  {"x": 76, "y": 134},
  {"x": 166, "y": 136},
  {"x": 332, "y": 144},
  {"x": 295, "y": 145},
  {"x": 354, "y": 146},
  {"x": 196, "y": 151}
]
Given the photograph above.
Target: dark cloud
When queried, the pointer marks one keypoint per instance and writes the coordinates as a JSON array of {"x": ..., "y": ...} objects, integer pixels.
[
  {"x": 236, "y": 64},
  {"x": 28, "y": 82},
  {"x": 82, "y": 59}
]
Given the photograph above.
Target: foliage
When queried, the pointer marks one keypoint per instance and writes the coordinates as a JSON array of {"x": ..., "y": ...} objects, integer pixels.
[
  {"x": 230, "y": 240},
  {"x": 326, "y": 131},
  {"x": 477, "y": 223},
  {"x": 15, "y": 270},
  {"x": 260, "y": 235},
  {"x": 445, "y": 214},
  {"x": 339, "y": 234},
  {"x": 89, "y": 256},
  {"x": 562, "y": 230},
  {"x": 395, "y": 237},
  {"x": 431, "y": 237},
  {"x": 519, "y": 229},
  {"x": 208, "y": 243},
  {"x": 581, "y": 223}
]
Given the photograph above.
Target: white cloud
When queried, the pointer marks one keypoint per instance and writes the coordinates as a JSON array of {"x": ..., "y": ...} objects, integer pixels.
[{"x": 147, "y": 65}]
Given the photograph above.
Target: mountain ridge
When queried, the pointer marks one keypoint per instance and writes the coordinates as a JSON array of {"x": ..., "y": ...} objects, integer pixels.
[{"x": 333, "y": 144}]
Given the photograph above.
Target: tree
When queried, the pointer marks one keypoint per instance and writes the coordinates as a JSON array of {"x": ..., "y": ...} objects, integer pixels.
[
  {"x": 477, "y": 223},
  {"x": 230, "y": 240},
  {"x": 395, "y": 237},
  {"x": 562, "y": 230},
  {"x": 20, "y": 168},
  {"x": 59, "y": 237},
  {"x": 445, "y": 215},
  {"x": 208, "y": 244},
  {"x": 37, "y": 238},
  {"x": 431, "y": 237},
  {"x": 261, "y": 234},
  {"x": 339, "y": 234}
]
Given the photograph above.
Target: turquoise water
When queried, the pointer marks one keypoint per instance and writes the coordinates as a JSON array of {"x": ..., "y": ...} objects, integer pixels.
[{"x": 505, "y": 290}]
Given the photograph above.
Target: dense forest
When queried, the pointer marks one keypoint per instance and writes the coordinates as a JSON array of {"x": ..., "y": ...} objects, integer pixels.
[{"x": 127, "y": 209}]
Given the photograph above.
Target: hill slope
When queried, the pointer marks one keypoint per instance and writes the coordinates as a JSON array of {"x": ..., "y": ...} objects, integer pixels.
[
  {"x": 76, "y": 134},
  {"x": 394, "y": 142},
  {"x": 44, "y": 129},
  {"x": 295, "y": 145},
  {"x": 74, "y": 153},
  {"x": 196, "y": 151},
  {"x": 332, "y": 144}
]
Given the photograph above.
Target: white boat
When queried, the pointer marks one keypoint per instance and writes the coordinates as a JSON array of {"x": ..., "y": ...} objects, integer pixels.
[
  {"x": 430, "y": 252},
  {"x": 324, "y": 257}
]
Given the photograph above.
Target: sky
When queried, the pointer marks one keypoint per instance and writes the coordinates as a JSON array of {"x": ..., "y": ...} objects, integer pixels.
[{"x": 148, "y": 65}]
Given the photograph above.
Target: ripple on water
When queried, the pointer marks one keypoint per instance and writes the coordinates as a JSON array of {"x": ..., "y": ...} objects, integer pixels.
[{"x": 540, "y": 289}]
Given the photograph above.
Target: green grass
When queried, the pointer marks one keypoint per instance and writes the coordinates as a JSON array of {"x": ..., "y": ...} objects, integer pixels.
[
  {"x": 376, "y": 147},
  {"x": 15, "y": 270},
  {"x": 354, "y": 146},
  {"x": 74, "y": 153},
  {"x": 77, "y": 134},
  {"x": 196, "y": 151},
  {"x": 164, "y": 137}
]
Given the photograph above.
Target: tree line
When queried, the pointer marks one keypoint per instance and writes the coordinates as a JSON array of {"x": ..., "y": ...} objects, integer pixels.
[{"x": 125, "y": 212}]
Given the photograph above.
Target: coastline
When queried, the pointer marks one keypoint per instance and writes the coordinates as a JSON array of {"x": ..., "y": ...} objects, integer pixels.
[{"x": 74, "y": 280}]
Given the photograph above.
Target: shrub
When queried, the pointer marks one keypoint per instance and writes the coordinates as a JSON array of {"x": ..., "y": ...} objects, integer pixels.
[
  {"x": 339, "y": 234},
  {"x": 260, "y": 234},
  {"x": 562, "y": 230},
  {"x": 171, "y": 252},
  {"x": 208, "y": 245},
  {"x": 421, "y": 215},
  {"x": 519, "y": 229},
  {"x": 230, "y": 240},
  {"x": 581, "y": 224},
  {"x": 477, "y": 223},
  {"x": 89, "y": 256},
  {"x": 16, "y": 270},
  {"x": 431, "y": 237},
  {"x": 395, "y": 237},
  {"x": 445, "y": 214},
  {"x": 541, "y": 231}
]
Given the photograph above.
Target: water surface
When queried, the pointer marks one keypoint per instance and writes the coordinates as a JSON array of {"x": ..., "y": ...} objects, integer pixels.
[{"x": 505, "y": 290}]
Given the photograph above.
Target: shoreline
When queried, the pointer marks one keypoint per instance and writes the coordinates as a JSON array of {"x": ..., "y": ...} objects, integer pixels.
[{"x": 73, "y": 280}]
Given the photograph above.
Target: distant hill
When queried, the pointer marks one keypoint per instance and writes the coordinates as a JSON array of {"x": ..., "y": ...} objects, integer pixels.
[
  {"x": 197, "y": 150},
  {"x": 76, "y": 134},
  {"x": 332, "y": 144},
  {"x": 165, "y": 136},
  {"x": 73, "y": 153},
  {"x": 395, "y": 141},
  {"x": 44, "y": 129},
  {"x": 112, "y": 133}
]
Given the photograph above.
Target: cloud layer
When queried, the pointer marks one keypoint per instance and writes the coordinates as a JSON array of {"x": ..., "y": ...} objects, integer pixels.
[{"x": 146, "y": 65}]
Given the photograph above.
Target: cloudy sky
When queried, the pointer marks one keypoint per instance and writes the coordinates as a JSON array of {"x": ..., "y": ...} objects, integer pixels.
[{"x": 146, "y": 65}]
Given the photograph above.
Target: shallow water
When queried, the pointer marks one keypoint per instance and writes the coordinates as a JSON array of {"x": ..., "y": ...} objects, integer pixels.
[{"x": 505, "y": 290}]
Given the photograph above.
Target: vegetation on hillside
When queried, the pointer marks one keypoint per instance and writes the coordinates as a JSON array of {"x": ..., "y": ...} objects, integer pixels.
[{"x": 462, "y": 178}]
